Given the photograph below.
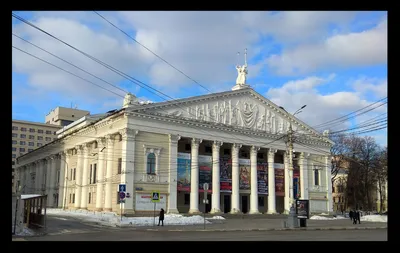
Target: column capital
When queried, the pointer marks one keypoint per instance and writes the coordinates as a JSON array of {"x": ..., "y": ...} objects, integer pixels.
[
  {"x": 110, "y": 139},
  {"x": 101, "y": 142},
  {"x": 174, "y": 137},
  {"x": 272, "y": 151},
  {"x": 196, "y": 141},
  {"x": 236, "y": 145},
  {"x": 217, "y": 143},
  {"x": 254, "y": 149},
  {"x": 128, "y": 133}
]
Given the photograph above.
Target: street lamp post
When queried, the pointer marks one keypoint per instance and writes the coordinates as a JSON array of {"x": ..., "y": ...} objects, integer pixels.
[{"x": 292, "y": 219}]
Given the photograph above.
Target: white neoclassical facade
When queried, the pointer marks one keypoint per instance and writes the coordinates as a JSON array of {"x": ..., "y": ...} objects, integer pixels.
[{"x": 234, "y": 140}]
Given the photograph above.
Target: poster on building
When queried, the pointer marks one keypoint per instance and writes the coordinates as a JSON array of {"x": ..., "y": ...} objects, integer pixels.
[
  {"x": 244, "y": 174},
  {"x": 226, "y": 174},
  {"x": 296, "y": 183},
  {"x": 279, "y": 182},
  {"x": 183, "y": 181},
  {"x": 262, "y": 178},
  {"x": 303, "y": 208},
  {"x": 205, "y": 172},
  {"x": 143, "y": 202}
]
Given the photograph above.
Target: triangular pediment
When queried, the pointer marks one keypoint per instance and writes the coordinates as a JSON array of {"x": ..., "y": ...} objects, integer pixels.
[{"x": 243, "y": 108}]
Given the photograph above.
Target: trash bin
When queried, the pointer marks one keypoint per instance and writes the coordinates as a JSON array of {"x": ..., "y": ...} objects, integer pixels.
[{"x": 303, "y": 222}]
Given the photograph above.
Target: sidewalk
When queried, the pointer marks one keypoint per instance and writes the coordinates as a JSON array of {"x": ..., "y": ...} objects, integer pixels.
[{"x": 265, "y": 225}]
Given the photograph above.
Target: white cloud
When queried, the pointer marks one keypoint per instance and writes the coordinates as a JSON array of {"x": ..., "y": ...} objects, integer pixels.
[
  {"x": 374, "y": 86},
  {"x": 320, "y": 108},
  {"x": 353, "y": 49}
]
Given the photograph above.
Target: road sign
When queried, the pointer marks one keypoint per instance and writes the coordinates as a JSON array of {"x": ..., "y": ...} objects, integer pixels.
[
  {"x": 155, "y": 197},
  {"x": 122, "y": 195},
  {"x": 128, "y": 195},
  {"x": 122, "y": 188}
]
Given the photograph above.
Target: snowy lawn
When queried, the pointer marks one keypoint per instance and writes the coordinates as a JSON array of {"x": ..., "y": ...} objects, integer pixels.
[
  {"x": 371, "y": 218},
  {"x": 26, "y": 232},
  {"x": 111, "y": 218}
]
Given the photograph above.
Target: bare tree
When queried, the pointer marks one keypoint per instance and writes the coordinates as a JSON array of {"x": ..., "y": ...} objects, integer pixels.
[{"x": 338, "y": 152}]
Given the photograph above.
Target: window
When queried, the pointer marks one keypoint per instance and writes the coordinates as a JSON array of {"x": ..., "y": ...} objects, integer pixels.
[
  {"x": 22, "y": 143},
  {"x": 90, "y": 175},
  {"x": 316, "y": 177},
  {"x": 54, "y": 139},
  {"x": 187, "y": 199},
  {"x": 74, "y": 173},
  {"x": 90, "y": 196},
  {"x": 73, "y": 198},
  {"x": 21, "y": 149},
  {"x": 22, "y": 136},
  {"x": 14, "y": 142},
  {"x": 119, "y": 165},
  {"x": 40, "y": 138},
  {"x": 39, "y": 144},
  {"x": 23, "y": 129},
  {"x": 151, "y": 163},
  {"x": 31, "y": 144},
  {"x": 48, "y": 132},
  {"x": 14, "y": 155},
  {"x": 40, "y": 131},
  {"x": 31, "y": 137},
  {"x": 13, "y": 163},
  {"x": 58, "y": 176},
  {"x": 48, "y": 138},
  {"x": 70, "y": 198},
  {"x": 14, "y": 128},
  {"x": 14, "y": 135},
  {"x": 55, "y": 132},
  {"x": 14, "y": 149},
  {"x": 260, "y": 201},
  {"x": 31, "y": 130},
  {"x": 94, "y": 173},
  {"x": 30, "y": 150}
]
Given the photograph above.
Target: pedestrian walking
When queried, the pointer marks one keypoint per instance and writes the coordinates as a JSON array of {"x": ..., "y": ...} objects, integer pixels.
[
  {"x": 358, "y": 216},
  {"x": 351, "y": 215},
  {"x": 161, "y": 218}
]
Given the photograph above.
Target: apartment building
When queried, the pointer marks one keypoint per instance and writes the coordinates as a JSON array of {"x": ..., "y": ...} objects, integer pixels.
[{"x": 63, "y": 116}]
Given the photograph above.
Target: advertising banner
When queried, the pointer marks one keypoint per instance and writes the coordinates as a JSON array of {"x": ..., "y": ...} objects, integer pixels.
[
  {"x": 296, "y": 183},
  {"x": 262, "y": 178},
  {"x": 205, "y": 172},
  {"x": 303, "y": 208},
  {"x": 226, "y": 174},
  {"x": 183, "y": 181},
  {"x": 279, "y": 182},
  {"x": 244, "y": 174},
  {"x": 143, "y": 202}
]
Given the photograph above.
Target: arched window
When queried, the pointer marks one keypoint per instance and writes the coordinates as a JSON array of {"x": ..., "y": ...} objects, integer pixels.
[{"x": 151, "y": 163}]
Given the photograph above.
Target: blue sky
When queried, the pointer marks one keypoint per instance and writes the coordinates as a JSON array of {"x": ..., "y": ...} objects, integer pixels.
[{"x": 335, "y": 62}]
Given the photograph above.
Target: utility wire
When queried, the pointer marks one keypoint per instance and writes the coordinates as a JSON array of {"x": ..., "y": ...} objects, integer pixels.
[{"x": 151, "y": 51}]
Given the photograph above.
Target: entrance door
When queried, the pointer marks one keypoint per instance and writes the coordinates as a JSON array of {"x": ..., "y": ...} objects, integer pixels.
[
  {"x": 227, "y": 203},
  {"x": 244, "y": 204}
]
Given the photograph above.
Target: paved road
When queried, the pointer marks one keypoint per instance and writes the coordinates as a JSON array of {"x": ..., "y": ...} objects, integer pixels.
[{"x": 132, "y": 235}]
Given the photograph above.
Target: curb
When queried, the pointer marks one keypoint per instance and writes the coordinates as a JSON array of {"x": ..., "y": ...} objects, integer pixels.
[{"x": 270, "y": 229}]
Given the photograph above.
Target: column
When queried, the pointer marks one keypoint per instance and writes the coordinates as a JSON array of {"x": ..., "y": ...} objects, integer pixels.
[
  {"x": 108, "y": 180},
  {"x": 127, "y": 167},
  {"x": 53, "y": 180},
  {"x": 287, "y": 193},
  {"x": 64, "y": 178},
  {"x": 216, "y": 194},
  {"x": 101, "y": 143},
  {"x": 85, "y": 176},
  {"x": 42, "y": 172},
  {"x": 48, "y": 179},
  {"x": 329, "y": 182},
  {"x": 271, "y": 182},
  {"x": 78, "y": 177},
  {"x": 304, "y": 175},
  {"x": 173, "y": 173},
  {"x": 37, "y": 179},
  {"x": 194, "y": 177},
  {"x": 253, "y": 180},
  {"x": 235, "y": 178}
]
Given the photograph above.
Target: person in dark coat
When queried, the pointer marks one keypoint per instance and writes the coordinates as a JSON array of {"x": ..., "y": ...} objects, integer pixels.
[
  {"x": 351, "y": 214},
  {"x": 161, "y": 218},
  {"x": 358, "y": 216}
]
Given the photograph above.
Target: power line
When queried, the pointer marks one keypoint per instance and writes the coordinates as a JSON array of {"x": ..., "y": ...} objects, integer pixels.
[
  {"x": 380, "y": 123},
  {"x": 151, "y": 51},
  {"x": 40, "y": 59}
]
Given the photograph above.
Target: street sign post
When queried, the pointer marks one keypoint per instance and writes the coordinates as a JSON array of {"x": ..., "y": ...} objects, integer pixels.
[
  {"x": 122, "y": 188},
  {"x": 205, "y": 201},
  {"x": 122, "y": 196},
  {"x": 155, "y": 197}
]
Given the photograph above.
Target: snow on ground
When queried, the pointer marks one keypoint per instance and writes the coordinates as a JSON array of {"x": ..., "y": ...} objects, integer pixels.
[
  {"x": 317, "y": 217},
  {"x": 374, "y": 218},
  {"x": 371, "y": 218},
  {"x": 215, "y": 218},
  {"x": 111, "y": 218},
  {"x": 26, "y": 232}
]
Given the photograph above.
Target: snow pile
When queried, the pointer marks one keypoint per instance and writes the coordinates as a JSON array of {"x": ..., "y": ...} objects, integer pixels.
[
  {"x": 316, "y": 217},
  {"x": 374, "y": 218},
  {"x": 111, "y": 218},
  {"x": 216, "y": 218},
  {"x": 26, "y": 232}
]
